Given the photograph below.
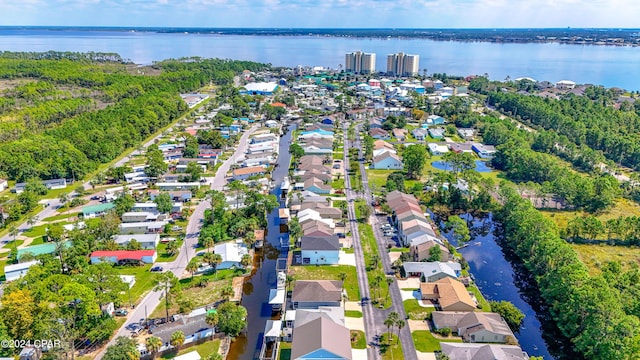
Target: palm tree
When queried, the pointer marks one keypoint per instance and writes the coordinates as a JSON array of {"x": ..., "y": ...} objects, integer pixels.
[
  {"x": 166, "y": 282},
  {"x": 32, "y": 220},
  {"x": 153, "y": 344},
  {"x": 212, "y": 319},
  {"x": 208, "y": 242},
  {"x": 389, "y": 322},
  {"x": 400, "y": 324},
  {"x": 177, "y": 339},
  {"x": 246, "y": 260},
  {"x": 342, "y": 276},
  {"x": 227, "y": 292},
  {"x": 193, "y": 266},
  {"x": 375, "y": 259},
  {"x": 238, "y": 187},
  {"x": 375, "y": 283},
  {"x": 389, "y": 281}
]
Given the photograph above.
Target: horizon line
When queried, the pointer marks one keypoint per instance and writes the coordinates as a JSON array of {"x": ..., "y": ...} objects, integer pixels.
[{"x": 312, "y": 28}]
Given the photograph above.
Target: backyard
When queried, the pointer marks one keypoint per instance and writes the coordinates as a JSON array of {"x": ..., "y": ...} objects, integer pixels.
[{"x": 329, "y": 272}]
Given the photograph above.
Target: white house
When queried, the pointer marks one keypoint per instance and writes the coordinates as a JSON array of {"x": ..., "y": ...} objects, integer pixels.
[
  {"x": 151, "y": 227},
  {"x": 231, "y": 253},
  {"x": 146, "y": 241},
  {"x": 437, "y": 149},
  {"x": 124, "y": 256},
  {"x": 387, "y": 161},
  {"x": 139, "y": 216},
  {"x": 3, "y": 184},
  {"x": 565, "y": 85},
  {"x": 16, "y": 271}
]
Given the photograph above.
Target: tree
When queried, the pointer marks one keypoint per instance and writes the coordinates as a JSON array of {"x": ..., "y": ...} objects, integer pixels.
[
  {"x": 459, "y": 227},
  {"x": 390, "y": 321},
  {"x": 296, "y": 151},
  {"x": 208, "y": 243},
  {"x": 435, "y": 253},
  {"x": 164, "y": 202},
  {"x": 246, "y": 260},
  {"x": 193, "y": 266},
  {"x": 63, "y": 197},
  {"x": 389, "y": 281},
  {"x": 168, "y": 283},
  {"x": 414, "y": 158},
  {"x": 509, "y": 312},
  {"x": 232, "y": 318},
  {"x": 155, "y": 162},
  {"x": 212, "y": 320},
  {"x": 32, "y": 220},
  {"x": 342, "y": 276},
  {"x": 194, "y": 170},
  {"x": 124, "y": 203},
  {"x": 18, "y": 310},
  {"x": 125, "y": 348},
  {"x": 400, "y": 324},
  {"x": 227, "y": 292},
  {"x": 295, "y": 230},
  {"x": 153, "y": 345},
  {"x": 238, "y": 187},
  {"x": 177, "y": 339},
  {"x": 171, "y": 248}
]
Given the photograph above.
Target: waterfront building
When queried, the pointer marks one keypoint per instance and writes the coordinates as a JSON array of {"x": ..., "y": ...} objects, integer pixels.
[
  {"x": 360, "y": 62},
  {"x": 402, "y": 64}
]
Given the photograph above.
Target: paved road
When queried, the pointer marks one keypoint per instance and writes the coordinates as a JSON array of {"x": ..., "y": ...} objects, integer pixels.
[
  {"x": 408, "y": 348},
  {"x": 187, "y": 251},
  {"x": 361, "y": 269}
]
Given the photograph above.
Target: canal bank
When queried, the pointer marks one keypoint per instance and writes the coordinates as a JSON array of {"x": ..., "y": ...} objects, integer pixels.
[
  {"x": 500, "y": 276},
  {"x": 256, "y": 287}
]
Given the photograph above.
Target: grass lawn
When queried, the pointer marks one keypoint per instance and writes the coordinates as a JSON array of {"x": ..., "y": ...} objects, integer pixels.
[
  {"x": 425, "y": 342},
  {"x": 358, "y": 339},
  {"x": 3, "y": 262},
  {"x": 402, "y": 250},
  {"x": 378, "y": 178},
  {"x": 204, "y": 349},
  {"x": 60, "y": 217},
  {"x": 38, "y": 230},
  {"x": 390, "y": 347},
  {"x": 144, "y": 281},
  {"x": 484, "y": 304},
  {"x": 415, "y": 311},
  {"x": 329, "y": 272},
  {"x": 284, "y": 351},
  {"x": 370, "y": 247},
  {"x": 197, "y": 296},
  {"x": 622, "y": 208},
  {"x": 162, "y": 253},
  {"x": 353, "y": 313},
  {"x": 11, "y": 244},
  {"x": 338, "y": 184},
  {"x": 596, "y": 255}
]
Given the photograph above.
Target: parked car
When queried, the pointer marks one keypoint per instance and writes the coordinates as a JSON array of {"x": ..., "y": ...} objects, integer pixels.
[
  {"x": 121, "y": 312},
  {"x": 156, "y": 269}
]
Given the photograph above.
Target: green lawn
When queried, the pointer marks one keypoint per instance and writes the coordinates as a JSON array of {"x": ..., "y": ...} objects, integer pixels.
[
  {"x": 11, "y": 244},
  {"x": 358, "y": 339},
  {"x": 415, "y": 311},
  {"x": 197, "y": 296},
  {"x": 60, "y": 217},
  {"x": 402, "y": 250},
  {"x": 378, "y": 178},
  {"x": 425, "y": 342},
  {"x": 329, "y": 272},
  {"x": 204, "y": 349},
  {"x": 162, "y": 253},
  {"x": 483, "y": 303},
  {"x": 353, "y": 313},
  {"x": 2, "y": 264},
  {"x": 38, "y": 230},
  {"x": 390, "y": 347},
  {"x": 144, "y": 281},
  {"x": 370, "y": 247},
  {"x": 338, "y": 184},
  {"x": 284, "y": 351}
]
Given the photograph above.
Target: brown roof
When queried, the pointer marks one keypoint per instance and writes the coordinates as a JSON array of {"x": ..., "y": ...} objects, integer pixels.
[
  {"x": 249, "y": 170},
  {"x": 317, "y": 291},
  {"x": 321, "y": 334},
  {"x": 378, "y": 131},
  {"x": 379, "y": 144},
  {"x": 449, "y": 292}
]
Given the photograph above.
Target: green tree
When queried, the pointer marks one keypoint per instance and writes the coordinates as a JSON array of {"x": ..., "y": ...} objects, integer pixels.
[
  {"x": 171, "y": 248},
  {"x": 155, "y": 162},
  {"x": 164, "y": 202},
  {"x": 232, "y": 318},
  {"x": 509, "y": 312},
  {"x": 238, "y": 187},
  {"x": 125, "y": 348},
  {"x": 296, "y": 151},
  {"x": 194, "y": 170},
  {"x": 18, "y": 310},
  {"x": 390, "y": 322},
  {"x": 124, "y": 203},
  {"x": 153, "y": 345},
  {"x": 435, "y": 253},
  {"x": 246, "y": 260},
  {"x": 177, "y": 339},
  {"x": 193, "y": 266},
  {"x": 212, "y": 320},
  {"x": 460, "y": 229},
  {"x": 414, "y": 158},
  {"x": 167, "y": 283},
  {"x": 400, "y": 324}
]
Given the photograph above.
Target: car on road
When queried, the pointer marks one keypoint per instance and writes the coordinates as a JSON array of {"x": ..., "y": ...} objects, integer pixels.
[
  {"x": 156, "y": 269},
  {"x": 121, "y": 312},
  {"x": 386, "y": 226}
]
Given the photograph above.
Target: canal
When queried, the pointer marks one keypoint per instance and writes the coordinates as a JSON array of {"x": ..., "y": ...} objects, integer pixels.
[
  {"x": 263, "y": 277},
  {"x": 500, "y": 275}
]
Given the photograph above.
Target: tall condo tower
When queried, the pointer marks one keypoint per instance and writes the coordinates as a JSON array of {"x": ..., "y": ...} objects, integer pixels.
[
  {"x": 360, "y": 62},
  {"x": 402, "y": 64}
]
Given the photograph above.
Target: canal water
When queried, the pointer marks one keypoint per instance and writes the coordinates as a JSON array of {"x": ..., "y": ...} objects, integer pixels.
[
  {"x": 256, "y": 287},
  {"x": 500, "y": 275}
]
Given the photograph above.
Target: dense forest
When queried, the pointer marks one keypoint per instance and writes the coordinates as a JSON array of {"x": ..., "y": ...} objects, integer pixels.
[{"x": 62, "y": 114}]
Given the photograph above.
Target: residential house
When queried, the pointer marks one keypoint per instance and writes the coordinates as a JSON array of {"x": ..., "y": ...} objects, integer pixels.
[
  {"x": 565, "y": 85},
  {"x": 322, "y": 250},
  {"x": 474, "y": 326},
  {"x": 381, "y": 144},
  {"x": 437, "y": 149},
  {"x": 312, "y": 294},
  {"x": 484, "y": 151},
  {"x": 179, "y": 196},
  {"x": 317, "y": 186},
  {"x": 375, "y": 124},
  {"x": 317, "y": 228},
  {"x": 400, "y": 134},
  {"x": 449, "y": 294},
  {"x": 4, "y": 185},
  {"x": 139, "y": 216},
  {"x": 432, "y": 271},
  {"x": 466, "y": 133},
  {"x": 231, "y": 253},
  {"x": 151, "y": 227},
  {"x": 146, "y": 241},
  {"x": 324, "y": 210},
  {"x": 300, "y": 317},
  {"x": 378, "y": 133},
  {"x": 167, "y": 186},
  {"x": 271, "y": 124},
  {"x": 321, "y": 338},
  {"x": 436, "y": 133},
  {"x": 420, "y": 134},
  {"x": 434, "y": 120},
  {"x": 471, "y": 351},
  {"x": 264, "y": 138},
  {"x": 247, "y": 172},
  {"x": 49, "y": 184},
  {"x": 16, "y": 271},
  {"x": 92, "y": 211},
  {"x": 420, "y": 248},
  {"x": 194, "y": 327},
  {"x": 387, "y": 161},
  {"x": 122, "y": 257},
  {"x": 460, "y": 147}
]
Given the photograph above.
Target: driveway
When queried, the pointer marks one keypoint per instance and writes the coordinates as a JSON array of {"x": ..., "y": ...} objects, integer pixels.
[
  {"x": 346, "y": 259},
  {"x": 415, "y": 325},
  {"x": 425, "y": 355},
  {"x": 410, "y": 283},
  {"x": 354, "y": 323},
  {"x": 361, "y": 354}
]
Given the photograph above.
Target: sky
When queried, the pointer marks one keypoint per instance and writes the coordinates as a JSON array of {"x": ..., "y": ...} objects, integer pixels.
[{"x": 323, "y": 13}]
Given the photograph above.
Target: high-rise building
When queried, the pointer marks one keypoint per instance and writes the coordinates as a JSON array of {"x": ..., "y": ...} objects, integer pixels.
[
  {"x": 360, "y": 62},
  {"x": 402, "y": 64}
]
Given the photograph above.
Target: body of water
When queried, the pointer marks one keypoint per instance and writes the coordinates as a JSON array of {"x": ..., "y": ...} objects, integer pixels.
[
  {"x": 256, "y": 288},
  {"x": 604, "y": 65},
  {"x": 481, "y": 166}
]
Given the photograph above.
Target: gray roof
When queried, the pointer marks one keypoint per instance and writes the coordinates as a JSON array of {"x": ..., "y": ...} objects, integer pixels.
[
  {"x": 469, "y": 322},
  {"x": 317, "y": 291},
  {"x": 333, "y": 313},
  {"x": 321, "y": 334},
  {"x": 188, "y": 324},
  {"x": 473, "y": 351},
  {"x": 320, "y": 243}
]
